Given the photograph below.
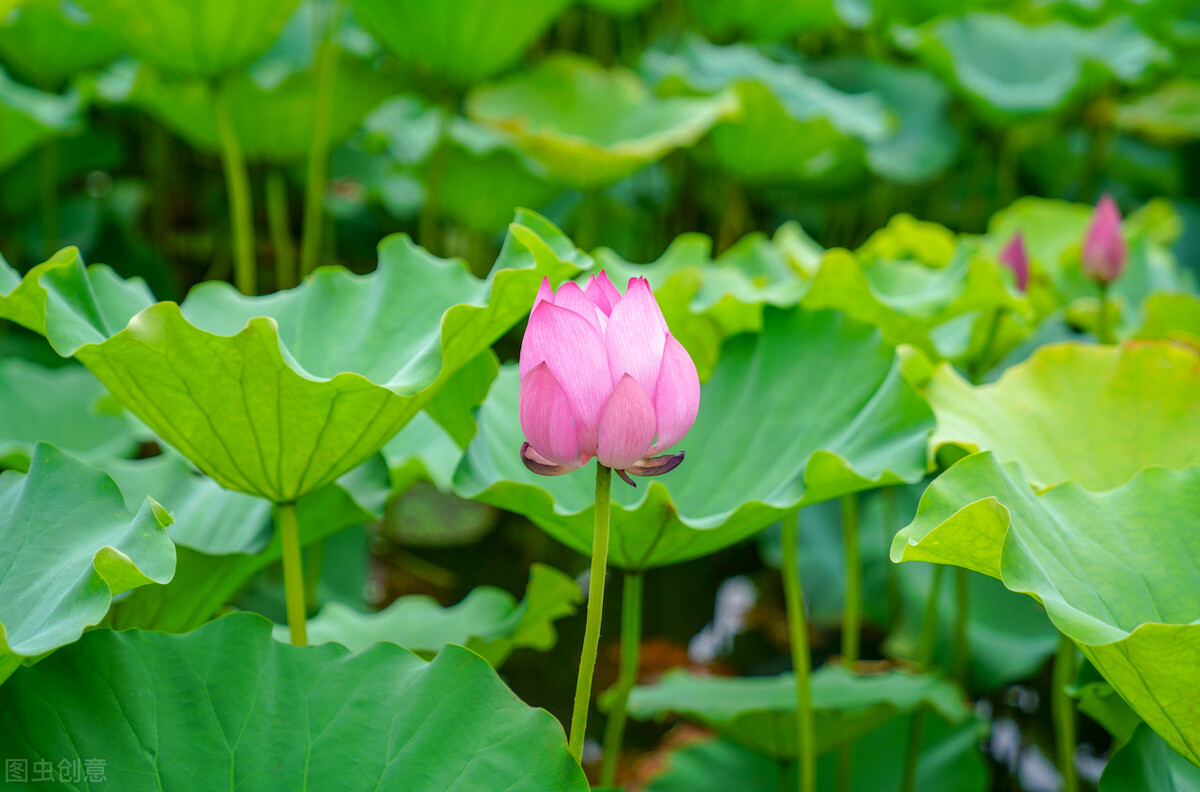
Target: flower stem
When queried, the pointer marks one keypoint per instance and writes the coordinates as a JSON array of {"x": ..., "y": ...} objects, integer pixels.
[
  {"x": 793, "y": 592},
  {"x": 318, "y": 153},
  {"x": 926, "y": 644},
  {"x": 49, "y": 196},
  {"x": 962, "y": 618},
  {"x": 281, "y": 235},
  {"x": 852, "y": 612},
  {"x": 595, "y": 607},
  {"x": 241, "y": 207},
  {"x": 293, "y": 571},
  {"x": 1104, "y": 331},
  {"x": 1064, "y": 712},
  {"x": 631, "y": 641},
  {"x": 851, "y": 619}
]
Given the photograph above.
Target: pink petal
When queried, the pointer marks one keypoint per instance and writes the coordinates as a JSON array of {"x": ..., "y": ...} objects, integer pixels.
[
  {"x": 571, "y": 297},
  {"x": 635, "y": 336},
  {"x": 546, "y": 417},
  {"x": 676, "y": 397},
  {"x": 1104, "y": 251},
  {"x": 544, "y": 292},
  {"x": 626, "y": 425},
  {"x": 574, "y": 351},
  {"x": 544, "y": 467},
  {"x": 1017, "y": 260},
  {"x": 601, "y": 291}
]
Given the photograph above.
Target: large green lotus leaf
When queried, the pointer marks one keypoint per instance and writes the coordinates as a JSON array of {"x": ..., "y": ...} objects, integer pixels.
[
  {"x": 489, "y": 620},
  {"x": 1175, "y": 317},
  {"x": 271, "y": 107},
  {"x": 1008, "y": 69},
  {"x": 46, "y": 42},
  {"x": 791, "y": 126},
  {"x": 945, "y": 312},
  {"x": 1094, "y": 415},
  {"x": 769, "y": 436},
  {"x": 193, "y": 38},
  {"x": 1170, "y": 115},
  {"x": 760, "y": 712},
  {"x": 924, "y": 141},
  {"x": 67, "y": 547},
  {"x": 706, "y": 300},
  {"x": 589, "y": 126},
  {"x": 1115, "y": 570},
  {"x": 949, "y": 759},
  {"x": 225, "y": 538},
  {"x": 762, "y": 20},
  {"x": 29, "y": 116},
  {"x": 1100, "y": 702},
  {"x": 63, "y": 406},
  {"x": 227, "y": 706},
  {"x": 277, "y": 396},
  {"x": 460, "y": 42},
  {"x": 1147, "y": 764}
]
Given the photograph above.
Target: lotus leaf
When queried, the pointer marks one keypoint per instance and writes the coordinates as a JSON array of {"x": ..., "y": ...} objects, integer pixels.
[
  {"x": 193, "y": 38},
  {"x": 760, "y": 712},
  {"x": 1078, "y": 412},
  {"x": 277, "y": 396},
  {"x": 67, "y": 547},
  {"x": 1115, "y": 570},
  {"x": 489, "y": 620},
  {"x": 281, "y": 716},
  {"x": 457, "y": 43},
  {"x": 590, "y": 127}
]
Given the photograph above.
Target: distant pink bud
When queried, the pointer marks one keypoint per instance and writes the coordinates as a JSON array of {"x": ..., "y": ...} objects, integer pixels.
[
  {"x": 1104, "y": 253},
  {"x": 602, "y": 376},
  {"x": 1017, "y": 260}
]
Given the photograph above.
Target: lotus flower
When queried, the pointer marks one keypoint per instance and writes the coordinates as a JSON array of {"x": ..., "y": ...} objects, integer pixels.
[
  {"x": 1104, "y": 252},
  {"x": 602, "y": 376},
  {"x": 1017, "y": 260}
]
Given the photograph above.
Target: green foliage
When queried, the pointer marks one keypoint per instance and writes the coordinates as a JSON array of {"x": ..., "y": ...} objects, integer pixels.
[
  {"x": 68, "y": 547},
  {"x": 295, "y": 716},
  {"x": 489, "y": 621}
]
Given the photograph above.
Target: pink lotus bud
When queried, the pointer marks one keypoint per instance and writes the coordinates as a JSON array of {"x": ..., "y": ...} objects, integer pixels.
[
  {"x": 1104, "y": 248},
  {"x": 602, "y": 376},
  {"x": 1017, "y": 260}
]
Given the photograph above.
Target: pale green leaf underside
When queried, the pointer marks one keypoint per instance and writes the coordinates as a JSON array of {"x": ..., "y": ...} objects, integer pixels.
[
  {"x": 228, "y": 707},
  {"x": 1116, "y": 571},
  {"x": 779, "y": 425},
  {"x": 1094, "y": 415},
  {"x": 489, "y": 620},
  {"x": 67, "y": 546},
  {"x": 760, "y": 712},
  {"x": 277, "y": 396}
]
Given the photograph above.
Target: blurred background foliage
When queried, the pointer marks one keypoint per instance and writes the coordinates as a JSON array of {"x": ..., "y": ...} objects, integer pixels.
[{"x": 730, "y": 147}]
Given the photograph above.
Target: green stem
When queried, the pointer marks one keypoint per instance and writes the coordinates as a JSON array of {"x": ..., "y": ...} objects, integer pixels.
[
  {"x": 891, "y": 516},
  {"x": 318, "y": 154},
  {"x": 631, "y": 641},
  {"x": 237, "y": 183},
  {"x": 793, "y": 591},
  {"x": 1063, "y": 710},
  {"x": 852, "y": 613},
  {"x": 293, "y": 570},
  {"x": 962, "y": 617},
  {"x": 978, "y": 366},
  {"x": 49, "y": 196},
  {"x": 926, "y": 645},
  {"x": 595, "y": 607},
  {"x": 281, "y": 235},
  {"x": 1104, "y": 321},
  {"x": 851, "y": 620}
]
